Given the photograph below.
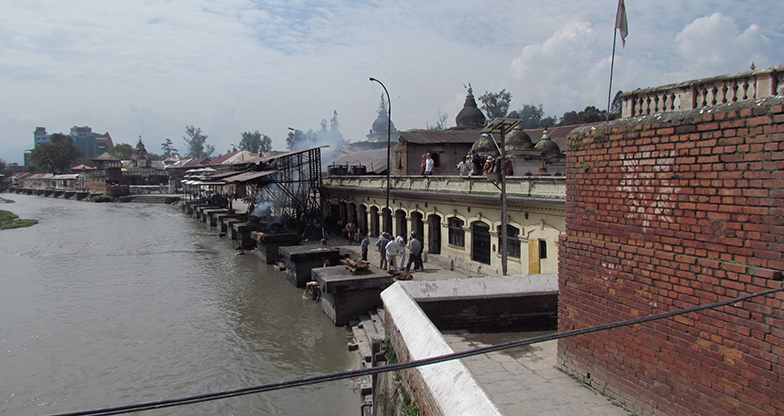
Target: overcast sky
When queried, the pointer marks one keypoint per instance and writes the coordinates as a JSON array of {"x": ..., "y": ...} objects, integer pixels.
[{"x": 149, "y": 68}]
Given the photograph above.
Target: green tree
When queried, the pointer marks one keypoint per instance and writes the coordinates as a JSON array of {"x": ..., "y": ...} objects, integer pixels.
[
  {"x": 617, "y": 106},
  {"x": 122, "y": 151},
  {"x": 168, "y": 148},
  {"x": 496, "y": 105},
  {"x": 531, "y": 115},
  {"x": 196, "y": 142},
  {"x": 57, "y": 156},
  {"x": 255, "y": 142},
  {"x": 590, "y": 114}
]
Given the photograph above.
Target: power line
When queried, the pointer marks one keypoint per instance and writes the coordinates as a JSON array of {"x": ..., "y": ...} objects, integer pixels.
[{"x": 400, "y": 366}]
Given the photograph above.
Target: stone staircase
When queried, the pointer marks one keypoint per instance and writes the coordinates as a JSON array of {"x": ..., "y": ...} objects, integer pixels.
[{"x": 368, "y": 340}]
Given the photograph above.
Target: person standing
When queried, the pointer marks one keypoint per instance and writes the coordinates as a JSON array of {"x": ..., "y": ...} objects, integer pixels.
[
  {"x": 464, "y": 167},
  {"x": 363, "y": 246},
  {"x": 351, "y": 230},
  {"x": 424, "y": 162},
  {"x": 414, "y": 250},
  {"x": 392, "y": 249},
  {"x": 381, "y": 244},
  {"x": 429, "y": 163},
  {"x": 401, "y": 245},
  {"x": 478, "y": 162}
]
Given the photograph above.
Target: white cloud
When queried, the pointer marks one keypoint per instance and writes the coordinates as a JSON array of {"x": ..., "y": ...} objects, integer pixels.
[
  {"x": 561, "y": 71},
  {"x": 713, "y": 45},
  {"x": 146, "y": 67}
]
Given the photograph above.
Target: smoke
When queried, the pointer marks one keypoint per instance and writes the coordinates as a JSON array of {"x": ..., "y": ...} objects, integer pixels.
[
  {"x": 263, "y": 208},
  {"x": 328, "y": 135}
]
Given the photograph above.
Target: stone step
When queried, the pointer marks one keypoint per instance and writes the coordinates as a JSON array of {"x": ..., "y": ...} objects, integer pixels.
[{"x": 363, "y": 343}]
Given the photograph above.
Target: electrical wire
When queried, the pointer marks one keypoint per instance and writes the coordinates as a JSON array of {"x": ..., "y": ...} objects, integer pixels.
[{"x": 401, "y": 366}]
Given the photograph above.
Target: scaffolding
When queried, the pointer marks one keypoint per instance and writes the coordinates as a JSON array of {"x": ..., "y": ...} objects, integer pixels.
[{"x": 285, "y": 190}]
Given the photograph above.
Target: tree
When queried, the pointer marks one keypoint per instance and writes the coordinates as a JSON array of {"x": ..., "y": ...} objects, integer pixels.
[
  {"x": 495, "y": 105},
  {"x": 57, "y": 156},
  {"x": 531, "y": 115},
  {"x": 255, "y": 142},
  {"x": 591, "y": 114},
  {"x": 168, "y": 148},
  {"x": 440, "y": 124},
  {"x": 196, "y": 142},
  {"x": 617, "y": 106},
  {"x": 122, "y": 151}
]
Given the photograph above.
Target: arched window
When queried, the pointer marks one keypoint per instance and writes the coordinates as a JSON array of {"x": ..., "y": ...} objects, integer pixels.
[
  {"x": 456, "y": 232},
  {"x": 512, "y": 242}
]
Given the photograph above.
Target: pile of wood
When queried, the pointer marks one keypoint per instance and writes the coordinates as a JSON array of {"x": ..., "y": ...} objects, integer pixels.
[
  {"x": 358, "y": 267},
  {"x": 401, "y": 275}
]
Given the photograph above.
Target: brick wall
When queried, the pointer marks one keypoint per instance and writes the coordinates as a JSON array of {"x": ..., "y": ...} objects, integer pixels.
[
  {"x": 667, "y": 212},
  {"x": 411, "y": 379}
]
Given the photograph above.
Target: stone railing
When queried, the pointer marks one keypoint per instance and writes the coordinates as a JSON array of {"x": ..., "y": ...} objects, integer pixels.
[
  {"x": 704, "y": 92},
  {"x": 516, "y": 186}
]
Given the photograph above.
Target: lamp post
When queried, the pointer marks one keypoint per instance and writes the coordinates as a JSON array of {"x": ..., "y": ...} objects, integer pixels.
[
  {"x": 389, "y": 142},
  {"x": 502, "y": 126}
]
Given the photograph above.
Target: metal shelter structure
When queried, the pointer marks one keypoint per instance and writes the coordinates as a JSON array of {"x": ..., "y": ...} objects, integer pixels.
[
  {"x": 285, "y": 189},
  {"x": 282, "y": 190}
]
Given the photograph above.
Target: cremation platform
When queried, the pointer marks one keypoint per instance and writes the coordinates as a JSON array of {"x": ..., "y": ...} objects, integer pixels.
[
  {"x": 345, "y": 296},
  {"x": 300, "y": 260},
  {"x": 267, "y": 244}
]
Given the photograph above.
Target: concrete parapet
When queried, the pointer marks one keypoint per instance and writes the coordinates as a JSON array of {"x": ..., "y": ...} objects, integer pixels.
[{"x": 439, "y": 389}]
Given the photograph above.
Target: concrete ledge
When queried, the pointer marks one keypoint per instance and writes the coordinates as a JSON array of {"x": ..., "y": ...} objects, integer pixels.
[
  {"x": 450, "y": 386},
  {"x": 482, "y": 288}
]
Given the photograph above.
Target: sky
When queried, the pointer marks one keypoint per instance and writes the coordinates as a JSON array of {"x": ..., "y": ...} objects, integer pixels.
[{"x": 150, "y": 68}]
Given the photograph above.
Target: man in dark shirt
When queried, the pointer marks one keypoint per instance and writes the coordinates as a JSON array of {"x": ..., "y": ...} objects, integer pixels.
[{"x": 478, "y": 163}]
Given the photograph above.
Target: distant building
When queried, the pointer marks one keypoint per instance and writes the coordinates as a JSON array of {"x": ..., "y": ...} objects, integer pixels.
[
  {"x": 91, "y": 144},
  {"x": 41, "y": 136},
  {"x": 378, "y": 132}
]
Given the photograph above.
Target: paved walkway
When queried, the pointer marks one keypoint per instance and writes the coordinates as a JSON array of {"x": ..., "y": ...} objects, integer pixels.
[
  {"x": 519, "y": 381},
  {"x": 526, "y": 381}
]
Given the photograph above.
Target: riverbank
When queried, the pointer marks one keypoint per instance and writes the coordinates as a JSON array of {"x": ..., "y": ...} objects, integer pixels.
[{"x": 9, "y": 220}]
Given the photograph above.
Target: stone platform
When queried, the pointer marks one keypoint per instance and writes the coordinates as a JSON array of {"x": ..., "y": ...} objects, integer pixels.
[{"x": 345, "y": 296}]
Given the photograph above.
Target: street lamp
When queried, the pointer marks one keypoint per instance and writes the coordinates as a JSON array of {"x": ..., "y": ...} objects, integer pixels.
[{"x": 389, "y": 141}]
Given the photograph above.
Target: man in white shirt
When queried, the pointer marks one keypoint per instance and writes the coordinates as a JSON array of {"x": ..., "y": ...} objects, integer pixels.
[
  {"x": 392, "y": 249},
  {"x": 429, "y": 165}
]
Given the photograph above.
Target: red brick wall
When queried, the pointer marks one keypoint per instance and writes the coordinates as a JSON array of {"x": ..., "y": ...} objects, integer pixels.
[{"x": 669, "y": 212}]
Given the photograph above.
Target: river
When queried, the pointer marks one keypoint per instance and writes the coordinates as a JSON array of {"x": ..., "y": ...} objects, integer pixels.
[{"x": 112, "y": 304}]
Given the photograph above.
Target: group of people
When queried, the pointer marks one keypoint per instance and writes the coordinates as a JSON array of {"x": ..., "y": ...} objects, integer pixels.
[
  {"x": 389, "y": 248},
  {"x": 476, "y": 165}
]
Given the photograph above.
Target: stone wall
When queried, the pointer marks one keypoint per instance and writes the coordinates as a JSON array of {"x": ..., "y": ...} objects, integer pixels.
[{"x": 666, "y": 212}]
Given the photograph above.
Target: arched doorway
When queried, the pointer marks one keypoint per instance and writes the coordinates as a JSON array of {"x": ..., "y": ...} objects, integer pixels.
[
  {"x": 434, "y": 234},
  {"x": 374, "y": 229},
  {"x": 362, "y": 220},
  {"x": 416, "y": 224},
  {"x": 480, "y": 242},
  {"x": 387, "y": 220},
  {"x": 352, "y": 213},
  {"x": 401, "y": 224}
]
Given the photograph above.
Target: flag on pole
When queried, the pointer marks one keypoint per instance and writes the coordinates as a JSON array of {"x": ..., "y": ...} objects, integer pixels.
[{"x": 620, "y": 21}]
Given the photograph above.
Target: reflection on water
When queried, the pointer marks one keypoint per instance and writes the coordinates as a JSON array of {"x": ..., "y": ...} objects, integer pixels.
[{"x": 112, "y": 304}]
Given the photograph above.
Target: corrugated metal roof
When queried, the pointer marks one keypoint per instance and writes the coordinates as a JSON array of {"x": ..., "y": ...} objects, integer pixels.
[
  {"x": 439, "y": 136},
  {"x": 249, "y": 176},
  {"x": 375, "y": 160}
]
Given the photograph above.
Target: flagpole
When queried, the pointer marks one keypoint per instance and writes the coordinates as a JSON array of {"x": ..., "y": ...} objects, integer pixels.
[{"x": 612, "y": 65}]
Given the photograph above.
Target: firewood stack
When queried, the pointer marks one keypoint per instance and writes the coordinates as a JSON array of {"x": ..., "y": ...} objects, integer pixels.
[
  {"x": 358, "y": 267},
  {"x": 401, "y": 275}
]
